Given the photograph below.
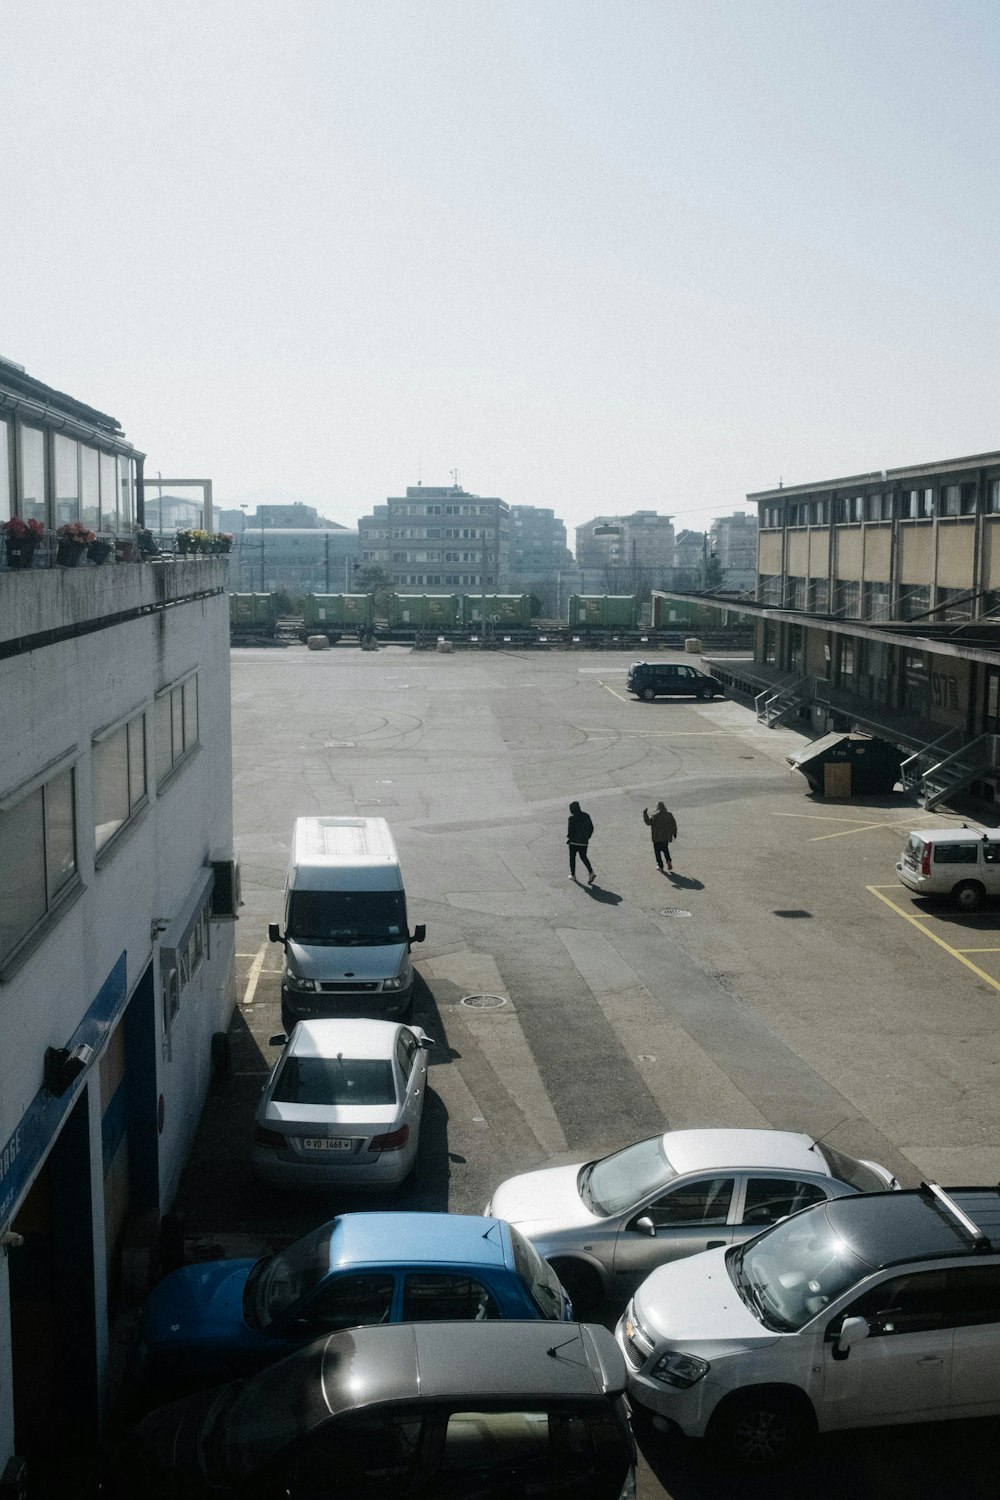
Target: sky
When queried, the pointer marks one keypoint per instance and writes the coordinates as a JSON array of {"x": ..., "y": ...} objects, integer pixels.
[{"x": 598, "y": 255}]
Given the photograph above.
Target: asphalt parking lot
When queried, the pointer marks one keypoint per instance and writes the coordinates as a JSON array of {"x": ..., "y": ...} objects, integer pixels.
[{"x": 779, "y": 977}]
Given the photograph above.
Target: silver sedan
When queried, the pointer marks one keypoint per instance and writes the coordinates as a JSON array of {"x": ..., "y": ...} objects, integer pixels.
[{"x": 605, "y": 1224}]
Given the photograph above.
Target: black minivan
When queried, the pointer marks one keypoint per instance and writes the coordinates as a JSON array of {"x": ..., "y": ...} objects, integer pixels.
[{"x": 670, "y": 679}]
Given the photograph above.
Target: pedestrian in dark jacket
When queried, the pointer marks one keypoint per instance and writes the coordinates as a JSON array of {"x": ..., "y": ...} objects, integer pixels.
[
  {"x": 663, "y": 828},
  {"x": 579, "y": 832}
]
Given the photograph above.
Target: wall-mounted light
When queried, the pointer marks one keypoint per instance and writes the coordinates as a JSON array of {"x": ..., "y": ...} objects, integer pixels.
[{"x": 64, "y": 1065}]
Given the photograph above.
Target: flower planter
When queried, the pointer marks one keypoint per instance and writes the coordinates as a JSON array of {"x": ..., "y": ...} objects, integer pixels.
[
  {"x": 20, "y": 553},
  {"x": 68, "y": 554},
  {"x": 99, "y": 552}
]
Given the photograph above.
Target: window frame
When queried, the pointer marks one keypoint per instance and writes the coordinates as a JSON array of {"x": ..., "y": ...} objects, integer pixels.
[
  {"x": 56, "y": 898},
  {"x": 166, "y": 696},
  {"x": 103, "y": 851}
]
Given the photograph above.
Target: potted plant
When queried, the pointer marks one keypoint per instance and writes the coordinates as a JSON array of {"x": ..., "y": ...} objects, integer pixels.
[
  {"x": 21, "y": 538},
  {"x": 72, "y": 541},
  {"x": 183, "y": 543},
  {"x": 99, "y": 551},
  {"x": 222, "y": 541},
  {"x": 201, "y": 541}
]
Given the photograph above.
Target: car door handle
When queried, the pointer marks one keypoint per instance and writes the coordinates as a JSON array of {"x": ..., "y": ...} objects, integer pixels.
[
  {"x": 714, "y": 1244},
  {"x": 930, "y": 1359}
]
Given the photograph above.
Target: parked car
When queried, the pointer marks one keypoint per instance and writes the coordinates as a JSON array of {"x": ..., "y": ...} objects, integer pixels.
[
  {"x": 670, "y": 679},
  {"x": 963, "y": 863},
  {"x": 342, "y": 1106},
  {"x": 860, "y": 1312},
  {"x": 464, "y": 1410},
  {"x": 227, "y": 1317},
  {"x": 605, "y": 1224}
]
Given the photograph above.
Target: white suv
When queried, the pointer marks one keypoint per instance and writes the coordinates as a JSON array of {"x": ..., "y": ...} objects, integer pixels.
[
  {"x": 859, "y": 1312},
  {"x": 963, "y": 863}
]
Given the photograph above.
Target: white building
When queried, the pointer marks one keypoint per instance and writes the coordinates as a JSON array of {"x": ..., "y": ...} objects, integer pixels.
[
  {"x": 116, "y": 963},
  {"x": 733, "y": 541}
]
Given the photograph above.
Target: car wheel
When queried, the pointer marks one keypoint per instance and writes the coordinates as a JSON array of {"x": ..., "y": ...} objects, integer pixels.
[
  {"x": 706, "y": 694},
  {"x": 968, "y": 896},
  {"x": 648, "y": 694},
  {"x": 758, "y": 1429},
  {"x": 583, "y": 1286}
]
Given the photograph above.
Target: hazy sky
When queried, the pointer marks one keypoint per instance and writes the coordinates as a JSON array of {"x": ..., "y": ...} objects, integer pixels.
[{"x": 594, "y": 254}]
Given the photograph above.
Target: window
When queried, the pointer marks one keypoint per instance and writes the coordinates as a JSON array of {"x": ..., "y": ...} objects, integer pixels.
[
  {"x": 119, "y": 778},
  {"x": 875, "y": 601},
  {"x": 185, "y": 945},
  {"x": 819, "y": 592},
  {"x": 914, "y": 601},
  {"x": 704, "y": 1202},
  {"x": 351, "y": 1302},
  {"x": 994, "y": 495},
  {"x": 956, "y": 854},
  {"x": 443, "y": 1297},
  {"x": 954, "y": 604},
  {"x": 176, "y": 725},
  {"x": 769, "y": 1199},
  {"x": 67, "y": 497},
  {"x": 126, "y": 491},
  {"x": 974, "y": 1294},
  {"x": 37, "y": 858},
  {"x": 90, "y": 488},
  {"x": 537, "y": 1452},
  {"x": 6, "y": 509},
  {"x": 406, "y": 1051},
  {"x": 847, "y": 598},
  {"x": 904, "y": 1304},
  {"x": 32, "y": 447}
]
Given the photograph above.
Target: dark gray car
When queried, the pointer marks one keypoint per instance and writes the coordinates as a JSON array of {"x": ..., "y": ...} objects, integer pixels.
[
  {"x": 474, "y": 1411},
  {"x": 670, "y": 679}
]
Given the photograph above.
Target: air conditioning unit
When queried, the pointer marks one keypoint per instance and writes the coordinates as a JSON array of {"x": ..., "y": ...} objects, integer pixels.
[{"x": 226, "y": 887}]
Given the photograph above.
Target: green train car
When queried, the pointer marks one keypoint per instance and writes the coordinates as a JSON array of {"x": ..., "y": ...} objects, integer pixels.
[
  {"x": 603, "y": 611},
  {"x": 425, "y": 611},
  {"x": 253, "y": 614},
  {"x": 499, "y": 609},
  {"x": 333, "y": 614}
]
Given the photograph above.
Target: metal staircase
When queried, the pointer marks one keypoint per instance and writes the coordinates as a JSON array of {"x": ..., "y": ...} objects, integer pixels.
[
  {"x": 776, "y": 703},
  {"x": 940, "y": 770}
]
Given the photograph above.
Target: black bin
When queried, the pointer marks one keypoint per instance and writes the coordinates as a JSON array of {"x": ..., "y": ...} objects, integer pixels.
[{"x": 848, "y": 765}]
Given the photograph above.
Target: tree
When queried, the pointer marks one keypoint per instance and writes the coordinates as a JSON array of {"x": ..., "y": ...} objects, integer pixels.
[
  {"x": 713, "y": 574},
  {"x": 373, "y": 579}
]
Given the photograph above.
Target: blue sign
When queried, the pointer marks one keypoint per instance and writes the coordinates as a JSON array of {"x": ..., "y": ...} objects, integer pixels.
[{"x": 38, "y": 1127}]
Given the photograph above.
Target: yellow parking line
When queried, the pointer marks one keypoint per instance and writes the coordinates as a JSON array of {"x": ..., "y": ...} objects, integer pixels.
[
  {"x": 609, "y": 689},
  {"x": 818, "y": 838},
  {"x": 254, "y": 976},
  {"x": 977, "y": 950},
  {"x": 955, "y": 952},
  {"x": 826, "y": 818}
]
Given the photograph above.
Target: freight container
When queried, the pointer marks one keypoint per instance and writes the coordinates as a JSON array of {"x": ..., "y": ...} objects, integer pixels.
[
  {"x": 253, "y": 614},
  {"x": 498, "y": 609},
  {"x": 333, "y": 614},
  {"x": 425, "y": 611},
  {"x": 604, "y": 611}
]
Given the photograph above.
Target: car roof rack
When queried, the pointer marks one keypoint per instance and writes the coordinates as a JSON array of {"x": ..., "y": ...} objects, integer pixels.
[{"x": 980, "y": 1241}]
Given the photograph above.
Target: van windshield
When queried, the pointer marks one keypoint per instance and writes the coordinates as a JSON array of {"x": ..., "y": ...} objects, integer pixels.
[{"x": 356, "y": 918}]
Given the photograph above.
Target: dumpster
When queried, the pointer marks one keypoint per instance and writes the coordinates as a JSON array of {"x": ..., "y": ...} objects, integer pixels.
[{"x": 848, "y": 765}]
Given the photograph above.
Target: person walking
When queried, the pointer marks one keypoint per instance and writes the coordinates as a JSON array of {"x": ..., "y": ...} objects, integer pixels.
[
  {"x": 663, "y": 828},
  {"x": 579, "y": 832}
]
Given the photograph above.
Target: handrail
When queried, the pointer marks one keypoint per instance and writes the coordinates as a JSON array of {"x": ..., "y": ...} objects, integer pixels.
[{"x": 911, "y": 765}]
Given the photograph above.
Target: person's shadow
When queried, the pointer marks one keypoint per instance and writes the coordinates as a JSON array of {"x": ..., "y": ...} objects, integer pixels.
[
  {"x": 606, "y": 898},
  {"x": 685, "y": 882}
]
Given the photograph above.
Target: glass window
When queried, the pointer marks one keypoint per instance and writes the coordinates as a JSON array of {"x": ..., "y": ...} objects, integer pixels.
[
  {"x": 136, "y": 761},
  {"x": 333, "y": 1081},
  {"x": 32, "y": 473},
  {"x": 6, "y": 509},
  {"x": 176, "y": 726},
  {"x": 994, "y": 494},
  {"x": 109, "y": 493},
  {"x": 441, "y": 1297},
  {"x": 189, "y": 692},
  {"x": 904, "y": 1304},
  {"x": 956, "y": 854},
  {"x": 119, "y": 778},
  {"x": 974, "y": 1294},
  {"x": 704, "y": 1202},
  {"x": 354, "y": 1301},
  {"x": 90, "y": 488},
  {"x": 37, "y": 857},
  {"x": 991, "y": 854},
  {"x": 406, "y": 1048},
  {"x": 330, "y": 916},
  {"x": 620, "y": 1181},
  {"x": 769, "y": 1199},
  {"x": 126, "y": 489},
  {"x": 67, "y": 498}
]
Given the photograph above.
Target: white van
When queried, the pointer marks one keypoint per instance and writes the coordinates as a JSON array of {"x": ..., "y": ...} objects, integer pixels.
[
  {"x": 963, "y": 863},
  {"x": 346, "y": 939}
]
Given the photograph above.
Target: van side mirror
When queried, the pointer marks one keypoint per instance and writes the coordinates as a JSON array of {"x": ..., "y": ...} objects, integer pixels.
[
  {"x": 852, "y": 1331},
  {"x": 274, "y": 933},
  {"x": 647, "y": 1226},
  {"x": 419, "y": 933}
]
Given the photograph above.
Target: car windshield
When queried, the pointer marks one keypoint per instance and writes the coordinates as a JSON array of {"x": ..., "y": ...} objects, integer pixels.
[
  {"x": 333, "y": 1080},
  {"x": 542, "y": 1282},
  {"x": 352, "y": 917},
  {"x": 857, "y": 1174},
  {"x": 267, "y": 1413},
  {"x": 277, "y": 1281},
  {"x": 620, "y": 1181},
  {"x": 790, "y": 1273}
]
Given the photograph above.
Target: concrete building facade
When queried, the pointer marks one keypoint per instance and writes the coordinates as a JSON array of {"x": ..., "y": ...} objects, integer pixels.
[
  {"x": 117, "y": 898},
  {"x": 732, "y": 540},
  {"x": 439, "y": 538},
  {"x": 625, "y": 554}
]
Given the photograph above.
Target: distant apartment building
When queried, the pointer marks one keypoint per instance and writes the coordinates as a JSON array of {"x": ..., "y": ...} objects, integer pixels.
[
  {"x": 690, "y": 550},
  {"x": 733, "y": 542},
  {"x": 438, "y": 538},
  {"x": 625, "y": 554},
  {"x": 537, "y": 542},
  {"x": 322, "y": 559}
]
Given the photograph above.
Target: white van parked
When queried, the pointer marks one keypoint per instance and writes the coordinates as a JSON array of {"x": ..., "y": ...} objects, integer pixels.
[
  {"x": 963, "y": 863},
  {"x": 346, "y": 939}
]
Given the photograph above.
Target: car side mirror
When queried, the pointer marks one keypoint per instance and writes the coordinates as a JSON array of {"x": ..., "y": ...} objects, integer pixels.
[
  {"x": 278, "y": 1040},
  {"x": 427, "y": 1042},
  {"x": 852, "y": 1331},
  {"x": 646, "y": 1224},
  {"x": 419, "y": 933},
  {"x": 274, "y": 933}
]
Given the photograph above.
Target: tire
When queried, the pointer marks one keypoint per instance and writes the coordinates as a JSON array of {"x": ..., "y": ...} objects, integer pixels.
[
  {"x": 706, "y": 694},
  {"x": 968, "y": 895},
  {"x": 648, "y": 694},
  {"x": 583, "y": 1286},
  {"x": 759, "y": 1429}
]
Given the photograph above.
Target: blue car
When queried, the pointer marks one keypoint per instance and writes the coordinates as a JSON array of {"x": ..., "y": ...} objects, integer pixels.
[{"x": 230, "y": 1317}]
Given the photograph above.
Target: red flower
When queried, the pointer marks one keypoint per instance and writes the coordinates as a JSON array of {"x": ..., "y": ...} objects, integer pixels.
[{"x": 19, "y": 530}]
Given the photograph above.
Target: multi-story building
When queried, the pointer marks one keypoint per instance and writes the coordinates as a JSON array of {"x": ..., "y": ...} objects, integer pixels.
[
  {"x": 732, "y": 541},
  {"x": 625, "y": 554},
  {"x": 690, "y": 551},
  {"x": 439, "y": 539},
  {"x": 878, "y": 606},
  {"x": 312, "y": 560},
  {"x": 117, "y": 891},
  {"x": 537, "y": 542}
]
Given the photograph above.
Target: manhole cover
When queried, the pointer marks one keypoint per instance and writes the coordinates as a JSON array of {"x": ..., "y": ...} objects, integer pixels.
[
  {"x": 483, "y": 1002},
  {"x": 674, "y": 911}
]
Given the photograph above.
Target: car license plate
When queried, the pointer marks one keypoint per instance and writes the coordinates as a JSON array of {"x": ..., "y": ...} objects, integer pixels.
[{"x": 335, "y": 1143}]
